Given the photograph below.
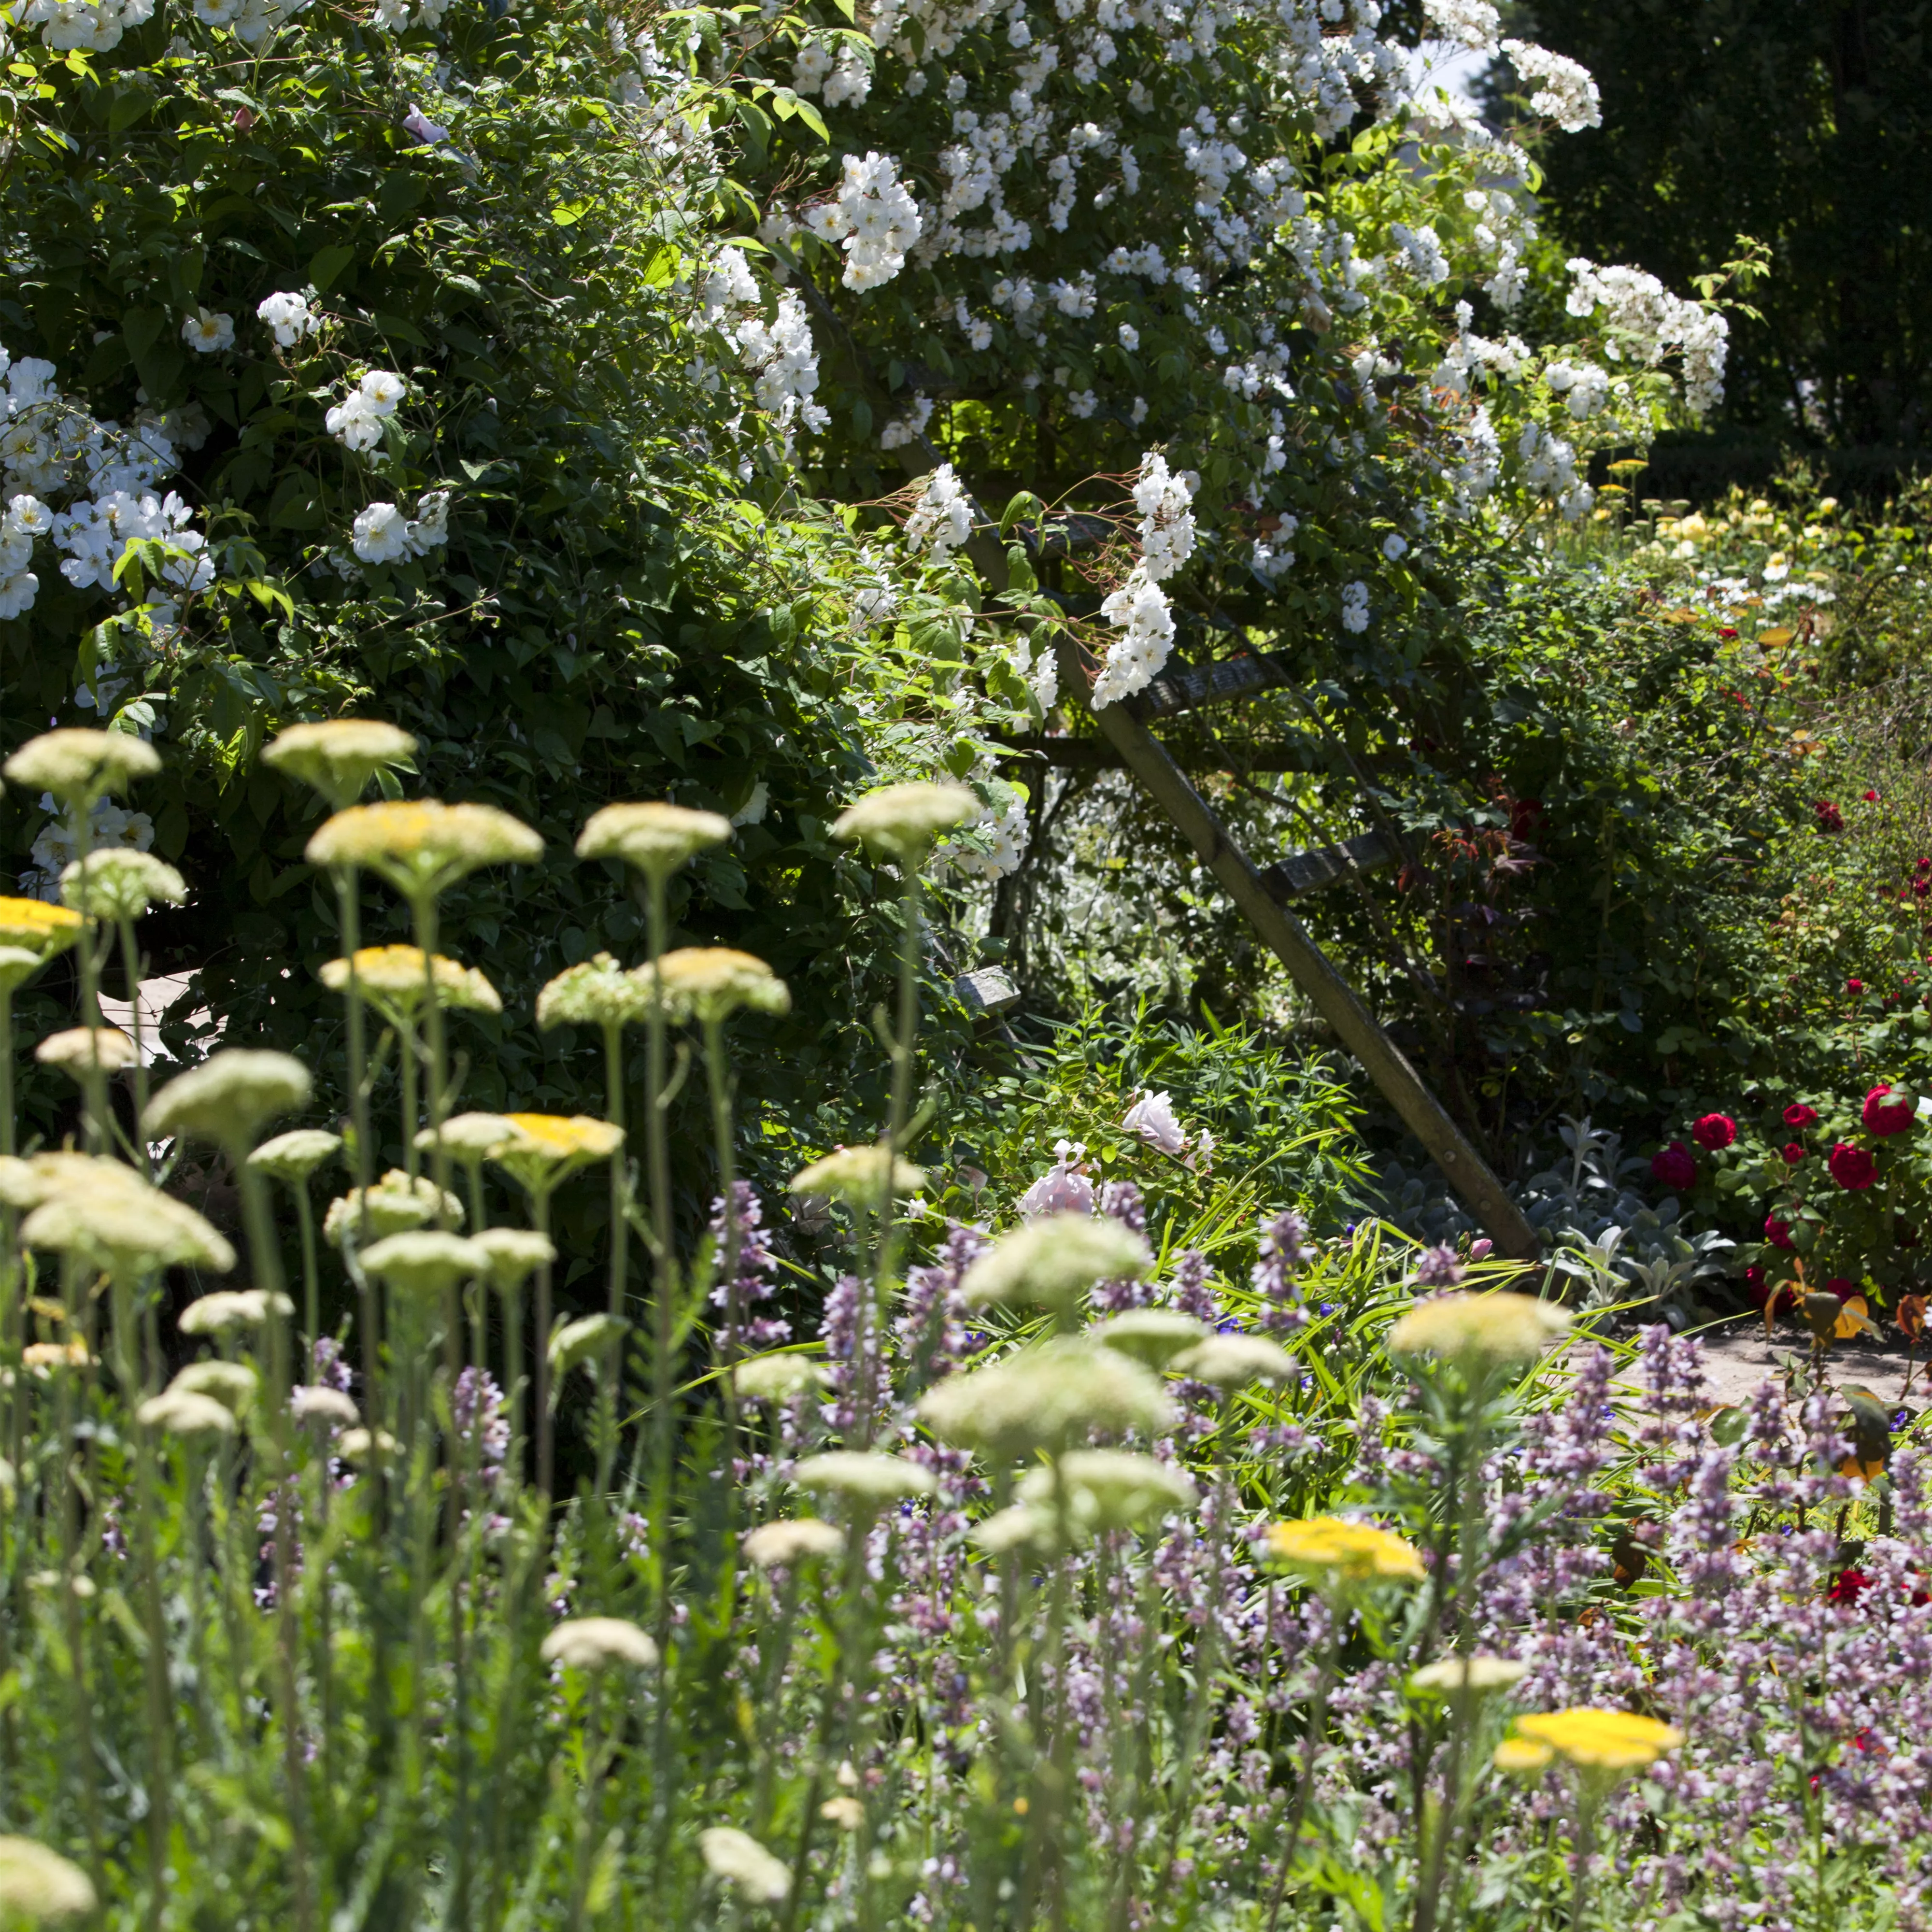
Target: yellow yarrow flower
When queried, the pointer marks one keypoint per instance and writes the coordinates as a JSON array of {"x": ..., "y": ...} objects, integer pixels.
[
  {"x": 713, "y": 982},
  {"x": 1340, "y": 1552},
  {"x": 1600, "y": 1740},
  {"x": 549, "y": 1146},
  {"x": 37, "y": 927},
  {"x": 395, "y": 973},
  {"x": 1522, "y": 1755}
]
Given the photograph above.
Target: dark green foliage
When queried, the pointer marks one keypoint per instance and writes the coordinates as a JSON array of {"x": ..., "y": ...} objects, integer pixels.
[{"x": 1803, "y": 125}]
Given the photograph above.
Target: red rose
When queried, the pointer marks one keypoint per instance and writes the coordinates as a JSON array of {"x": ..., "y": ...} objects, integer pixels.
[
  {"x": 1871, "y": 798},
  {"x": 1776, "y": 1232},
  {"x": 1714, "y": 1131},
  {"x": 1854, "y": 985},
  {"x": 1798, "y": 1115},
  {"x": 1848, "y": 1586},
  {"x": 1843, "y": 1286},
  {"x": 1793, "y": 1153},
  {"x": 1884, "y": 1117},
  {"x": 1675, "y": 1166},
  {"x": 1924, "y": 865},
  {"x": 1830, "y": 818},
  {"x": 1852, "y": 1168},
  {"x": 1755, "y": 1279}
]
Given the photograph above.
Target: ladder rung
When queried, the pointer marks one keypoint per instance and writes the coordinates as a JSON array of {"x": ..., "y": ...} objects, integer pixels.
[
  {"x": 1302, "y": 872},
  {"x": 1188, "y": 685}
]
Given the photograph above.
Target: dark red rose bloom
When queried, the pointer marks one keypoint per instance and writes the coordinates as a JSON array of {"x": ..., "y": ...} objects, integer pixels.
[
  {"x": 1830, "y": 818},
  {"x": 1920, "y": 887},
  {"x": 1675, "y": 1166},
  {"x": 1852, "y": 1168},
  {"x": 1848, "y": 1586},
  {"x": 1884, "y": 1116},
  {"x": 1793, "y": 1153},
  {"x": 1798, "y": 1115},
  {"x": 1714, "y": 1131},
  {"x": 1776, "y": 1232},
  {"x": 1843, "y": 1286},
  {"x": 1871, "y": 798},
  {"x": 1854, "y": 985},
  {"x": 1755, "y": 1278},
  {"x": 1925, "y": 866}
]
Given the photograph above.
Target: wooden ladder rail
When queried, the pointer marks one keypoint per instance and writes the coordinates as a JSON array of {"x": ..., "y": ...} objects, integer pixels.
[{"x": 1383, "y": 1062}]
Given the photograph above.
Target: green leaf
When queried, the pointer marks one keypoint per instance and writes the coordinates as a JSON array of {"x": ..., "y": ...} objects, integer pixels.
[{"x": 327, "y": 264}]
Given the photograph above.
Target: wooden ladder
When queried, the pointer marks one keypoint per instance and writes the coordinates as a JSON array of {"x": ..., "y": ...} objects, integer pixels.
[{"x": 1263, "y": 897}]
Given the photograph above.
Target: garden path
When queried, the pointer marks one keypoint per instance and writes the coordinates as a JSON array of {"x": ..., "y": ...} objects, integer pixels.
[{"x": 1738, "y": 1355}]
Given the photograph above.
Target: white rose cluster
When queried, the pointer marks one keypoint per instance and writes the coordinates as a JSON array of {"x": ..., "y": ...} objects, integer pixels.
[
  {"x": 356, "y": 421},
  {"x": 1645, "y": 320},
  {"x": 290, "y": 318},
  {"x": 85, "y": 26},
  {"x": 104, "y": 479},
  {"x": 1139, "y": 609},
  {"x": 1565, "y": 93},
  {"x": 252, "y": 22},
  {"x": 396, "y": 17},
  {"x": 942, "y": 519},
  {"x": 872, "y": 217},
  {"x": 383, "y": 534},
  {"x": 784, "y": 363},
  {"x": 1470, "y": 23}
]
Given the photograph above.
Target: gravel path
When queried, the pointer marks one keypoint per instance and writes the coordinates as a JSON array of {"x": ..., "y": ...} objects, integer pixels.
[{"x": 1738, "y": 1357}]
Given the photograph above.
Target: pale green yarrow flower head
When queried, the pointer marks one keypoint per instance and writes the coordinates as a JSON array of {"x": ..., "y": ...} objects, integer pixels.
[
  {"x": 422, "y": 846},
  {"x": 856, "y": 1175},
  {"x": 17, "y": 966},
  {"x": 233, "y": 1384},
  {"x": 1055, "y": 1261},
  {"x": 293, "y": 1157},
  {"x": 469, "y": 1137},
  {"x": 127, "y": 1231},
  {"x": 1152, "y": 1335},
  {"x": 741, "y": 1862},
  {"x": 587, "y": 1339},
  {"x": 656, "y": 837},
  {"x": 594, "y": 992},
  {"x": 864, "y": 1478},
  {"x": 777, "y": 1378},
  {"x": 712, "y": 982},
  {"x": 81, "y": 1050},
  {"x": 1047, "y": 1398},
  {"x": 1112, "y": 1489},
  {"x": 1481, "y": 1675},
  {"x": 593, "y": 1643},
  {"x": 118, "y": 883},
  {"x": 395, "y": 1203},
  {"x": 515, "y": 1254},
  {"x": 794, "y": 1539},
  {"x": 1028, "y": 1526},
  {"x": 78, "y": 766},
  {"x": 41, "y": 1885},
  {"x": 230, "y": 1309},
  {"x": 1479, "y": 1330},
  {"x": 338, "y": 757},
  {"x": 183, "y": 1412},
  {"x": 903, "y": 820},
  {"x": 229, "y": 1098},
  {"x": 1231, "y": 1361},
  {"x": 24, "y": 1184},
  {"x": 425, "y": 1260}
]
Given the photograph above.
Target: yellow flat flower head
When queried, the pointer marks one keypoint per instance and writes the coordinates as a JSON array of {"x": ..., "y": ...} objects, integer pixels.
[
  {"x": 1521, "y": 1755},
  {"x": 548, "y": 1146},
  {"x": 422, "y": 844},
  {"x": 37, "y": 927},
  {"x": 1479, "y": 1329},
  {"x": 1340, "y": 1552},
  {"x": 1601, "y": 1741}
]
